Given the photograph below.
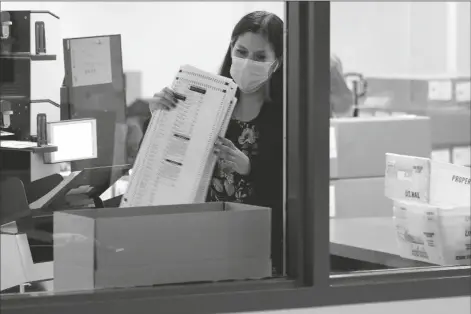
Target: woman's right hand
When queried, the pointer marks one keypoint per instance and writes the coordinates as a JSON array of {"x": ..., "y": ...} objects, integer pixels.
[{"x": 165, "y": 99}]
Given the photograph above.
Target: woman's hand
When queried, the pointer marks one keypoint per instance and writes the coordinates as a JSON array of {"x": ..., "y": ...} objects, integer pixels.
[
  {"x": 233, "y": 157},
  {"x": 165, "y": 99}
]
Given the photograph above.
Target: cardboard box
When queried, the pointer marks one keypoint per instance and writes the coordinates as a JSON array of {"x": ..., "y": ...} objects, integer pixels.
[
  {"x": 428, "y": 182},
  {"x": 12, "y": 271},
  {"x": 355, "y": 198},
  {"x": 450, "y": 128},
  {"x": 361, "y": 143},
  {"x": 145, "y": 246},
  {"x": 436, "y": 235}
]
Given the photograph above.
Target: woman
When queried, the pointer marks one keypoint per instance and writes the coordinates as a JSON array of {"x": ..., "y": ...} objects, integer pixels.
[{"x": 250, "y": 158}]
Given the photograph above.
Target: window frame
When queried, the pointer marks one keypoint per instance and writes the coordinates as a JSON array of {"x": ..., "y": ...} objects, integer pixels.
[{"x": 308, "y": 254}]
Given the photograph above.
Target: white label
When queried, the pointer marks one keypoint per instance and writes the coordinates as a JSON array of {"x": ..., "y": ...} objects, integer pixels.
[
  {"x": 91, "y": 61},
  {"x": 333, "y": 143},
  {"x": 462, "y": 91},
  {"x": 404, "y": 175},
  {"x": 440, "y": 90},
  {"x": 332, "y": 210}
]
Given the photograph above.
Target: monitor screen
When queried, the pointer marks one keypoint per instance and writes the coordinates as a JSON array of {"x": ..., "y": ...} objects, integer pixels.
[{"x": 75, "y": 140}]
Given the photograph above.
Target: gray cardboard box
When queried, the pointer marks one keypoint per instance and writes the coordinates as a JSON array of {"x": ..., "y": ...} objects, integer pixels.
[
  {"x": 357, "y": 198},
  {"x": 145, "y": 246},
  {"x": 450, "y": 128},
  {"x": 362, "y": 143}
]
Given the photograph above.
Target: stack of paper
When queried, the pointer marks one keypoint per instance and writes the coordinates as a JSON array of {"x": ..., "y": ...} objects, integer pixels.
[{"x": 176, "y": 160}]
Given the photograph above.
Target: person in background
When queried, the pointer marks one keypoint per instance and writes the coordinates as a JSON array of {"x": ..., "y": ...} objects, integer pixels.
[
  {"x": 341, "y": 97},
  {"x": 250, "y": 157}
]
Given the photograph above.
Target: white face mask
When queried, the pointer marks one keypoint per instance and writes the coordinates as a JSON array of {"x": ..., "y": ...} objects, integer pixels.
[{"x": 250, "y": 75}]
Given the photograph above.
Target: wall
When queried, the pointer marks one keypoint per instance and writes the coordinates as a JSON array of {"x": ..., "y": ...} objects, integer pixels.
[
  {"x": 402, "y": 38},
  {"x": 155, "y": 41},
  {"x": 464, "y": 38},
  {"x": 375, "y": 38},
  {"x": 438, "y": 306}
]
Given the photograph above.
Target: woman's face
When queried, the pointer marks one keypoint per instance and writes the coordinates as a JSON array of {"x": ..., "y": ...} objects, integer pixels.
[{"x": 253, "y": 46}]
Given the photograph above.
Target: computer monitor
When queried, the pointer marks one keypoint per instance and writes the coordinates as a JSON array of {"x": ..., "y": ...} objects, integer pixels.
[{"x": 75, "y": 139}]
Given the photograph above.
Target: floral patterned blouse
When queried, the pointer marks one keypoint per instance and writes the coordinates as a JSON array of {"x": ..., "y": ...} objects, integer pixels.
[{"x": 227, "y": 185}]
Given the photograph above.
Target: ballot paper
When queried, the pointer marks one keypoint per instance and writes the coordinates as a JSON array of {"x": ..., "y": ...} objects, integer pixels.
[
  {"x": 5, "y": 133},
  {"x": 176, "y": 160},
  {"x": 18, "y": 144}
]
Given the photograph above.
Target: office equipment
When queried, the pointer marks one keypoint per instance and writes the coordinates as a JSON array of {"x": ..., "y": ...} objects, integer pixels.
[
  {"x": 81, "y": 189},
  {"x": 24, "y": 65},
  {"x": 24, "y": 93},
  {"x": 93, "y": 88},
  {"x": 176, "y": 160},
  {"x": 24, "y": 33},
  {"x": 75, "y": 140},
  {"x": 146, "y": 246}
]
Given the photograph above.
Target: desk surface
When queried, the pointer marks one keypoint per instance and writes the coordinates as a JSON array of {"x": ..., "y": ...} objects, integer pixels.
[{"x": 370, "y": 240}]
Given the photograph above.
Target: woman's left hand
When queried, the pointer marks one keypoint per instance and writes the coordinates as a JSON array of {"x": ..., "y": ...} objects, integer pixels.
[{"x": 233, "y": 157}]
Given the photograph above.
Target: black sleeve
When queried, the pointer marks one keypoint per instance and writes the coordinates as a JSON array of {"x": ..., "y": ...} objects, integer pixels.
[
  {"x": 267, "y": 167},
  {"x": 138, "y": 108}
]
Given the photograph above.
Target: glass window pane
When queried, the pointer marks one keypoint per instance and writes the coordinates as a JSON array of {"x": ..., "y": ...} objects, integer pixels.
[
  {"x": 400, "y": 135},
  {"x": 221, "y": 206}
]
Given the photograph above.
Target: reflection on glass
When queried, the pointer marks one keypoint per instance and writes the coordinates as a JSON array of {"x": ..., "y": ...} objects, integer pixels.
[
  {"x": 400, "y": 176},
  {"x": 80, "y": 236}
]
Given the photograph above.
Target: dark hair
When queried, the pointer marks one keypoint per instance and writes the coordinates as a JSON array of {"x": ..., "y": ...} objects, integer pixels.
[{"x": 271, "y": 27}]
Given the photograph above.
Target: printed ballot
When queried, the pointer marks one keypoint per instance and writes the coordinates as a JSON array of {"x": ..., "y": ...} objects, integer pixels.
[
  {"x": 433, "y": 234},
  {"x": 176, "y": 160}
]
